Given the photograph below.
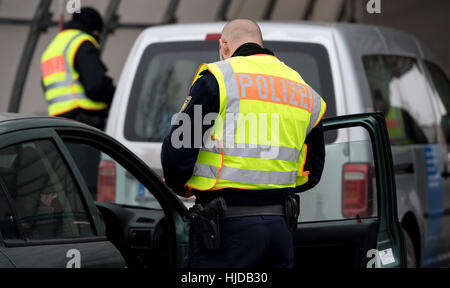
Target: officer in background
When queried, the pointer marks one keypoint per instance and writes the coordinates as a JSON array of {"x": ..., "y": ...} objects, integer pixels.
[
  {"x": 73, "y": 75},
  {"x": 245, "y": 199}
]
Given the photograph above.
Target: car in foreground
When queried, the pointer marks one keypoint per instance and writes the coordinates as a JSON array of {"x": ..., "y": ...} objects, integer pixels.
[{"x": 53, "y": 169}]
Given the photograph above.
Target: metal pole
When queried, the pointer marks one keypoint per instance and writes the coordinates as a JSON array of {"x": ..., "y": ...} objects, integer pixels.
[
  {"x": 61, "y": 14},
  {"x": 111, "y": 22},
  {"x": 346, "y": 14},
  {"x": 352, "y": 18},
  {"x": 40, "y": 23},
  {"x": 269, "y": 9},
  {"x": 223, "y": 10},
  {"x": 308, "y": 10},
  {"x": 169, "y": 16}
]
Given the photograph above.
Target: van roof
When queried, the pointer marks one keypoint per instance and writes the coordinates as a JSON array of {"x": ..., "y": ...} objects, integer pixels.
[{"x": 390, "y": 41}]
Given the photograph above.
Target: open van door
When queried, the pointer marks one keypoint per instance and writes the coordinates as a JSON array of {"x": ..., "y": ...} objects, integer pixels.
[{"x": 350, "y": 218}]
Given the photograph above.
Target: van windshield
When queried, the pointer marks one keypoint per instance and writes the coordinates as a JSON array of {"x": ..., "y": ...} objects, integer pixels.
[{"x": 166, "y": 70}]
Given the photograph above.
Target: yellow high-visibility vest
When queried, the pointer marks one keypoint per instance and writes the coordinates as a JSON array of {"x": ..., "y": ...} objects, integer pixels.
[
  {"x": 396, "y": 127},
  {"x": 63, "y": 90},
  {"x": 257, "y": 141}
]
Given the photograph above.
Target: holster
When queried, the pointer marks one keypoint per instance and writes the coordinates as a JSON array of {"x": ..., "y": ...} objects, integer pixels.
[
  {"x": 292, "y": 211},
  {"x": 204, "y": 223}
]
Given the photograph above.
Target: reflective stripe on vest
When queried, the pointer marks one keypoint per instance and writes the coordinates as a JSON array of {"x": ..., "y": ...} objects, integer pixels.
[
  {"x": 64, "y": 98},
  {"x": 60, "y": 84},
  {"x": 63, "y": 91},
  {"x": 256, "y": 151},
  {"x": 246, "y": 176},
  {"x": 231, "y": 163}
]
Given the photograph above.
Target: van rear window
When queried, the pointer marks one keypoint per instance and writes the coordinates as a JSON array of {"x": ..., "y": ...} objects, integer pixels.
[{"x": 166, "y": 70}]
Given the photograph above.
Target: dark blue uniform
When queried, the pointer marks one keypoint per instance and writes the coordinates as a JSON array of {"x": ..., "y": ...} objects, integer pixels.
[{"x": 249, "y": 241}]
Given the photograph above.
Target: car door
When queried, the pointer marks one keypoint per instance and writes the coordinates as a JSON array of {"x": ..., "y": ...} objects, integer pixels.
[
  {"x": 143, "y": 218},
  {"x": 48, "y": 219},
  {"x": 350, "y": 218}
]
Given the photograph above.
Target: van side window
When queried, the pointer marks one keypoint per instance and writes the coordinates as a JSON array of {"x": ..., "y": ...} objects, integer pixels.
[
  {"x": 442, "y": 85},
  {"x": 43, "y": 194},
  {"x": 399, "y": 89}
]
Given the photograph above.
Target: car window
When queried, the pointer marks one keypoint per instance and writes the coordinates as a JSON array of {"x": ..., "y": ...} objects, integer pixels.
[
  {"x": 442, "y": 86},
  {"x": 43, "y": 193},
  {"x": 107, "y": 179},
  {"x": 399, "y": 89},
  {"x": 348, "y": 186},
  {"x": 166, "y": 70}
]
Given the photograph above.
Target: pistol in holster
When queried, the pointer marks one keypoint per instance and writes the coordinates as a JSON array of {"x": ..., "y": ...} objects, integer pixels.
[
  {"x": 204, "y": 223},
  {"x": 292, "y": 211}
]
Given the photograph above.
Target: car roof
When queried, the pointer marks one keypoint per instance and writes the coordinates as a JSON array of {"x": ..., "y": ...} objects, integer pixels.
[
  {"x": 10, "y": 122},
  {"x": 392, "y": 40}
]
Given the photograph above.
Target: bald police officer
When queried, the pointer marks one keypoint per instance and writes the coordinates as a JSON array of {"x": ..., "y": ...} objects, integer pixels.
[{"x": 256, "y": 176}]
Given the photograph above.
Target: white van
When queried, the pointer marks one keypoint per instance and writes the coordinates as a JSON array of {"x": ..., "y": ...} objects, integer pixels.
[{"x": 356, "y": 69}]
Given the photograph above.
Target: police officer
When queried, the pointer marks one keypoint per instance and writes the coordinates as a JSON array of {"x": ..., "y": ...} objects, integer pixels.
[
  {"x": 255, "y": 177},
  {"x": 73, "y": 75}
]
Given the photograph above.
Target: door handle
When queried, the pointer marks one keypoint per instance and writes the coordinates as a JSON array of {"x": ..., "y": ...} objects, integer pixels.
[
  {"x": 445, "y": 174},
  {"x": 407, "y": 168}
]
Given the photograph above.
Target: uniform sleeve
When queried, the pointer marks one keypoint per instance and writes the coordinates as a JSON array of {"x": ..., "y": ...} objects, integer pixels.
[
  {"x": 315, "y": 159},
  {"x": 318, "y": 110},
  {"x": 88, "y": 64},
  {"x": 178, "y": 164}
]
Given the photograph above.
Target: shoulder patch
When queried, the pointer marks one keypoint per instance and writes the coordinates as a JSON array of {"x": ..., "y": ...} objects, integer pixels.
[{"x": 186, "y": 102}]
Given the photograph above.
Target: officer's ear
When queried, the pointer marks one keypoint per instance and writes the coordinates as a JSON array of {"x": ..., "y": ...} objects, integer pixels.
[
  {"x": 224, "y": 48},
  {"x": 96, "y": 33}
]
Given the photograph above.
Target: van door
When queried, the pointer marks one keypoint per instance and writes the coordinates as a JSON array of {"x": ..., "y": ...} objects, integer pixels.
[
  {"x": 350, "y": 218},
  {"x": 399, "y": 88},
  {"x": 441, "y": 93}
]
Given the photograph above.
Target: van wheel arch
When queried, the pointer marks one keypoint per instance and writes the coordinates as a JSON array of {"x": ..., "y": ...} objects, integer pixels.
[{"x": 411, "y": 226}]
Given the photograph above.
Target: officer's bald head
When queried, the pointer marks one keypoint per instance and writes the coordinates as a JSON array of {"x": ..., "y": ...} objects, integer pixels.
[{"x": 238, "y": 32}]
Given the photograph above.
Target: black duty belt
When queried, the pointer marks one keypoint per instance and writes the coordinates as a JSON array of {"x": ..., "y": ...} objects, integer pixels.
[{"x": 241, "y": 211}]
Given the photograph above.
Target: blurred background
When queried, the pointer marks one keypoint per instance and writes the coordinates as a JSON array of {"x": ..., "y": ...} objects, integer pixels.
[{"x": 28, "y": 26}]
